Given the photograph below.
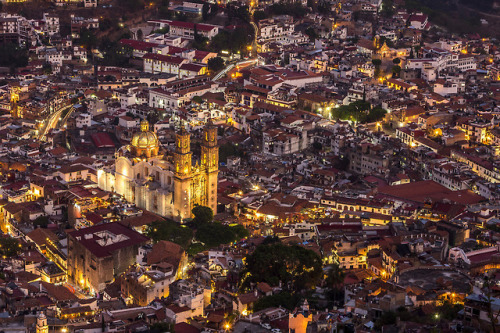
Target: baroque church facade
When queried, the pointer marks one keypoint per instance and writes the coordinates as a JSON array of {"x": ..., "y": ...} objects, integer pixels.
[{"x": 168, "y": 185}]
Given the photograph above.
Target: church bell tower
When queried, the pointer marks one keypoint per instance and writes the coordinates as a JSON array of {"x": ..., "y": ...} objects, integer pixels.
[
  {"x": 41, "y": 324},
  {"x": 182, "y": 175},
  {"x": 210, "y": 162}
]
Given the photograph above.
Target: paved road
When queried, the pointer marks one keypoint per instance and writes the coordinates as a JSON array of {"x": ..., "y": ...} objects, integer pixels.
[
  {"x": 229, "y": 67},
  {"x": 246, "y": 327},
  {"x": 52, "y": 121}
]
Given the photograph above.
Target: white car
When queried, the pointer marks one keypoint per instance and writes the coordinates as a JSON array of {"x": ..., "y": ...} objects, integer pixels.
[
  {"x": 266, "y": 326},
  {"x": 276, "y": 330}
]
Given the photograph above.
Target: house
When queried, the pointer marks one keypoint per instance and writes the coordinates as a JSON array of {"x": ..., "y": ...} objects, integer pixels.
[{"x": 97, "y": 253}]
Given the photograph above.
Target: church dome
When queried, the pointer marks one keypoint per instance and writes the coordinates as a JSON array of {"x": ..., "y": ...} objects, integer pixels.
[{"x": 145, "y": 143}]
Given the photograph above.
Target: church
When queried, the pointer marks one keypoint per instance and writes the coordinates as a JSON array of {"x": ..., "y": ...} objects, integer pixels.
[{"x": 169, "y": 185}]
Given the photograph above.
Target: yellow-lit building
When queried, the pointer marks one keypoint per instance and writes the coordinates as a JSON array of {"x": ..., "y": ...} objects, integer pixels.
[
  {"x": 168, "y": 185},
  {"x": 41, "y": 324}
]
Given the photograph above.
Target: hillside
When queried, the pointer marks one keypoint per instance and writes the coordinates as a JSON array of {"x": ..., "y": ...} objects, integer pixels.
[{"x": 461, "y": 16}]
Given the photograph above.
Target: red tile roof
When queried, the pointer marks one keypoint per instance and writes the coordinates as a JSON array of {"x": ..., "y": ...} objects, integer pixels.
[
  {"x": 102, "y": 140},
  {"x": 428, "y": 189},
  {"x": 138, "y": 45},
  {"x": 88, "y": 238},
  {"x": 164, "y": 58}
]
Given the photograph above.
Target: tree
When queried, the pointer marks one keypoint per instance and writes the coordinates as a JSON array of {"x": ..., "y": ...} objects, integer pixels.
[
  {"x": 259, "y": 15},
  {"x": 396, "y": 61},
  {"x": 216, "y": 64},
  {"x": 88, "y": 38},
  {"x": 334, "y": 280},
  {"x": 335, "y": 277},
  {"x": 375, "y": 114},
  {"x": 227, "y": 150},
  {"x": 202, "y": 214},
  {"x": 387, "y": 318},
  {"x": 161, "y": 327},
  {"x": 170, "y": 231},
  {"x": 197, "y": 99},
  {"x": 396, "y": 70},
  {"x": 140, "y": 34},
  {"x": 311, "y": 32},
  {"x": 284, "y": 299},
  {"x": 359, "y": 111},
  {"x": 376, "y": 62},
  {"x": 296, "y": 267},
  {"x": 163, "y": 30},
  {"x": 284, "y": 8},
  {"x": 205, "y": 11},
  {"x": 317, "y": 145},
  {"x": 387, "y": 8},
  {"x": 41, "y": 221},
  {"x": 47, "y": 68},
  {"x": 492, "y": 313},
  {"x": 13, "y": 56},
  {"x": 215, "y": 233},
  {"x": 9, "y": 246},
  {"x": 107, "y": 24}
]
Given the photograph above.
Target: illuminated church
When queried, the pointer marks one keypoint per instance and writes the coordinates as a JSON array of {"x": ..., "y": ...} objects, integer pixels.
[{"x": 168, "y": 185}]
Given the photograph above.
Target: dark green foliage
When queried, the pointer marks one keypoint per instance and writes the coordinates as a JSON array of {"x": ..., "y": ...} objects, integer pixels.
[
  {"x": 227, "y": 150},
  {"x": 396, "y": 61},
  {"x": 108, "y": 23},
  {"x": 296, "y": 267},
  {"x": 284, "y": 299},
  {"x": 13, "y": 56},
  {"x": 271, "y": 240},
  {"x": 88, "y": 39},
  {"x": 170, "y": 231},
  {"x": 9, "y": 246},
  {"x": 202, "y": 215},
  {"x": 359, "y": 111},
  {"x": 376, "y": 62},
  {"x": 163, "y": 30},
  {"x": 114, "y": 53},
  {"x": 396, "y": 69},
  {"x": 47, "y": 68},
  {"x": 41, "y": 221},
  {"x": 197, "y": 99},
  {"x": 388, "y": 318},
  {"x": 449, "y": 311},
  {"x": 195, "y": 248},
  {"x": 452, "y": 15},
  {"x": 216, "y": 64},
  {"x": 284, "y": 8},
  {"x": 311, "y": 32},
  {"x": 237, "y": 11},
  {"x": 259, "y": 15},
  {"x": 317, "y": 145},
  {"x": 215, "y": 233},
  {"x": 161, "y": 327},
  {"x": 234, "y": 41},
  {"x": 335, "y": 277},
  {"x": 387, "y": 8},
  {"x": 205, "y": 11}
]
